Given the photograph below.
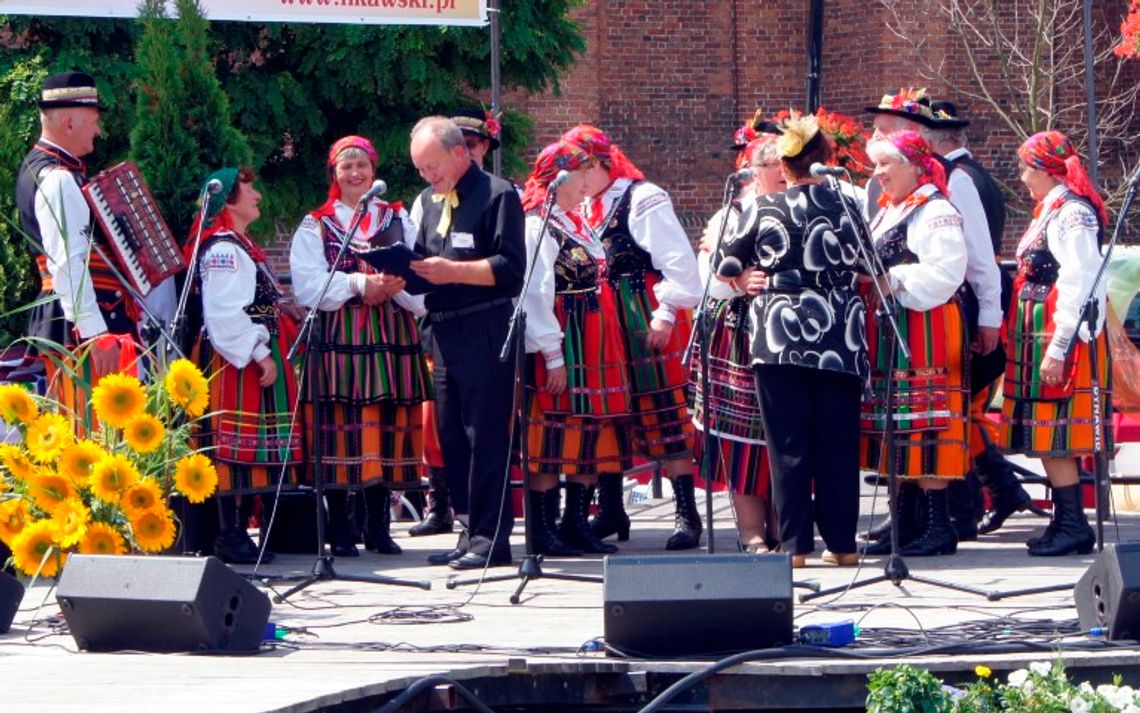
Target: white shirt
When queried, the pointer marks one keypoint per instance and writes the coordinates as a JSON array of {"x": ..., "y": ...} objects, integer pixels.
[
  {"x": 982, "y": 271},
  {"x": 229, "y": 282},
  {"x": 718, "y": 290}
]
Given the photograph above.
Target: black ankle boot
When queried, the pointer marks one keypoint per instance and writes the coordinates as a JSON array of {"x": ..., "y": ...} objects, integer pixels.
[
  {"x": 963, "y": 498},
  {"x": 938, "y": 538},
  {"x": 611, "y": 518},
  {"x": 687, "y": 526},
  {"x": 575, "y": 529},
  {"x": 338, "y": 533},
  {"x": 1069, "y": 530},
  {"x": 543, "y": 531},
  {"x": 378, "y": 522},
  {"x": 438, "y": 519},
  {"x": 912, "y": 518},
  {"x": 997, "y": 474}
]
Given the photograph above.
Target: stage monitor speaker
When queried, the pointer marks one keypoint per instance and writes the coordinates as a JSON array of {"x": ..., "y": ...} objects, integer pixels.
[
  {"x": 697, "y": 605},
  {"x": 1108, "y": 594},
  {"x": 11, "y": 594},
  {"x": 163, "y": 604}
]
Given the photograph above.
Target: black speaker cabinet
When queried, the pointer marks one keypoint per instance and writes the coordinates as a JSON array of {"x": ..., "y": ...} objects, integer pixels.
[
  {"x": 162, "y": 604},
  {"x": 11, "y": 594},
  {"x": 697, "y": 605},
  {"x": 1108, "y": 593}
]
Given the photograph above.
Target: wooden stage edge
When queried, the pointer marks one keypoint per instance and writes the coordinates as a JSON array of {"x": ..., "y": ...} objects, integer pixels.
[{"x": 352, "y": 646}]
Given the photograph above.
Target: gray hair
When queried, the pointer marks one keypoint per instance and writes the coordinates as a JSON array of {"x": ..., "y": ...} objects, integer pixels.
[
  {"x": 937, "y": 136},
  {"x": 442, "y": 129},
  {"x": 883, "y": 149}
]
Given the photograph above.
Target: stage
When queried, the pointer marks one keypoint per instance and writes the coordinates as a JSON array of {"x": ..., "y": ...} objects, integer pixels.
[{"x": 350, "y": 647}]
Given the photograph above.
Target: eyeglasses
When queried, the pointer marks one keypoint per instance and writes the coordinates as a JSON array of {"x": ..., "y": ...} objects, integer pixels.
[{"x": 472, "y": 143}]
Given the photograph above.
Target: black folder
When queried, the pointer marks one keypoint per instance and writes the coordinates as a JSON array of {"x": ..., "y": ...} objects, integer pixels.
[{"x": 397, "y": 260}]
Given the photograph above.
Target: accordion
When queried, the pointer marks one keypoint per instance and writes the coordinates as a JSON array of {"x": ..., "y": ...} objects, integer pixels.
[{"x": 134, "y": 227}]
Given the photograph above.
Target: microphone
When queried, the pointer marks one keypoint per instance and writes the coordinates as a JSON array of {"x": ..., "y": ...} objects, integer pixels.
[
  {"x": 742, "y": 176},
  {"x": 818, "y": 170},
  {"x": 378, "y": 188},
  {"x": 214, "y": 186},
  {"x": 730, "y": 267},
  {"x": 561, "y": 178}
]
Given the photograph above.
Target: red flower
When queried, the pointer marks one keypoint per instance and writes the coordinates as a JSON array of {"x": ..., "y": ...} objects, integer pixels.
[
  {"x": 1130, "y": 33},
  {"x": 493, "y": 126}
]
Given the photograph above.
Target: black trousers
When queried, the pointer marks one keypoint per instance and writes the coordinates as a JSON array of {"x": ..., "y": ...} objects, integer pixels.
[
  {"x": 473, "y": 395},
  {"x": 811, "y": 423}
]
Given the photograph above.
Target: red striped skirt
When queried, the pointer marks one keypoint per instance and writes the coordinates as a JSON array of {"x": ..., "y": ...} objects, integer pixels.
[
  {"x": 562, "y": 443},
  {"x": 380, "y": 443}
]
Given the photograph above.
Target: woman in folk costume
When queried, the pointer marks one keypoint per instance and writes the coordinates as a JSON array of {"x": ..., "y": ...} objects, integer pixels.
[
  {"x": 735, "y": 421},
  {"x": 654, "y": 274},
  {"x": 253, "y": 393},
  {"x": 918, "y": 237},
  {"x": 580, "y": 399},
  {"x": 372, "y": 375},
  {"x": 1048, "y": 410}
]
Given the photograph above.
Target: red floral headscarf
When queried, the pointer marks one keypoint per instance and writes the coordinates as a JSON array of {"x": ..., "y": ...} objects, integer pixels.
[
  {"x": 348, "y": 142},
  {"x": 597, "y": 144},
  {"x": 561, "y": 156},
  {"x": 918, "y": 153},
  {"x": 1053, "y": 153}
]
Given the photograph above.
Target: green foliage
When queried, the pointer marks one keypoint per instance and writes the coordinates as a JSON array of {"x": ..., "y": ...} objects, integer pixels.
[
  {"x": 183, "y": 130},
  {"x": 905, "y": 689}
]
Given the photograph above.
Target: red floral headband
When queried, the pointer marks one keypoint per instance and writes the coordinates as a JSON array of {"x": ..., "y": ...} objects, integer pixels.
[
  {"x": 597, "y": 144},
  {"x": 1053, "y": 153},
  {"x": 557, "y": 157}
]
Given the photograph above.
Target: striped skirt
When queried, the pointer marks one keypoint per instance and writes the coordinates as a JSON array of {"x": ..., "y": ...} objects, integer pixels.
[
  {"x": 251, "y": 429},
  {"x": 662, "y": 428},
  {"x": 742, "y": 466},
  {"x": 734, "y": 410},
  {"x": 1052, "y": 421},
  {"x": 930, "y": 404},
  {"x": 562, "y": 443},
  {"x": 371, "y": 444}
]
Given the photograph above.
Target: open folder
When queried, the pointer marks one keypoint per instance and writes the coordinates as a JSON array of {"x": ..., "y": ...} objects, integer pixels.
[{"x": 397, "y": 260}]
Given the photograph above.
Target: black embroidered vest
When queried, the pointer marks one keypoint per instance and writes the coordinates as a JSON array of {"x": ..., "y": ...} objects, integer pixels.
[{"x": 626, "y": 259}]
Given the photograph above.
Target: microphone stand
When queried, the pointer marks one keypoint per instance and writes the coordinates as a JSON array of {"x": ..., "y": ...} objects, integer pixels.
[
  {"x": 154, "y": 321},
  {"x": 530, "y": 568},
  {"x": 1090, "y": 317},
  {"x": 176, "y": 325},
  {"x": 895, "y": 570},
  {"x": 323, "y": 566}
]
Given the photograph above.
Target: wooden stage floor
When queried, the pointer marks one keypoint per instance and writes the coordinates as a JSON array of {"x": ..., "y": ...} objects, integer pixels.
[{"x": 349, "y": 646}]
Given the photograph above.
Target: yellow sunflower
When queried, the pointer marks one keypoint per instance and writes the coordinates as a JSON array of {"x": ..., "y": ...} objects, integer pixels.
[
  {"x": 16, "y": 461},
  {"x": 140, "y": 497},
  {"x": 187, "y": 387},
  {"x": 48, "y": 489},
  {"x": 118, "y": 398},
  {"x": 78, "y": 460},
  {"x": 111, "y": 476},
  {"x": 144, "y": 433},
  {"x": 30, "y": 546},
  {"x": 195, "y": 477},
  {"x": 14, "y": 517},
  {"x": 70, "y": 519},
  {"x": 48, "y": 435},
  {"x": 153, "y": 530},
  {"x": 16, "y": 404},
  {"x": 102, "y": 539}
]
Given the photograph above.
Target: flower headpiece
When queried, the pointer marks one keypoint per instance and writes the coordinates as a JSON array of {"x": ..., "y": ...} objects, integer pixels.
[
  {"x": 553, "y": 159},
  {"x": 479, "y": 122},
  {"x": 917, "y": 152},
  {"x": 798, "y": 133},
  {"x": 909, "y": 103},
  {"x": 597, "y": 145},
  {"x": 1053, "y": 153}
]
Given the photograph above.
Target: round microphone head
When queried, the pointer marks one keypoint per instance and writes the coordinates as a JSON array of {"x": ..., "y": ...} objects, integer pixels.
[
  {"x": 818, "y": 169},
  {"x": 744, "y": 174},
  {"x": 214, "y": 186},
  {"x": 559, "y": 179},
  {"x": 379, "y": 187},
  {"x": 730, "y": 267}
]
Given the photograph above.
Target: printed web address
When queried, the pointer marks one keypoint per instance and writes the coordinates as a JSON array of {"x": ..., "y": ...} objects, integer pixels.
[{"x": 437, "y": 5}]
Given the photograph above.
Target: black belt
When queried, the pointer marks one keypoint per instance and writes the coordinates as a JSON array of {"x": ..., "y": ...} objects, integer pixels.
[{"x": 443, "y": 316}]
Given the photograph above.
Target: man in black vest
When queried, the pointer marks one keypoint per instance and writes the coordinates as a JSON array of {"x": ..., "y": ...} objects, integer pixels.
[
  {"x": 83, "y": 300},
  {"x": 472, "y": 237}
]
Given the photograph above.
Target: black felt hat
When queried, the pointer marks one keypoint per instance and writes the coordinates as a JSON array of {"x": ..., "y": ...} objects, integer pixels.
[
  {"x": 910, "y": 104},
  {"x": 70, "y": 89},
  {"x": 946, "y": 116},
  {"x": 474, "y": 121}
]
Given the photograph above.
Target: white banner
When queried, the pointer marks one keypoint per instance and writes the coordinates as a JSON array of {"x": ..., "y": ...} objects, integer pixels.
[{"x": 374, "y": 12}]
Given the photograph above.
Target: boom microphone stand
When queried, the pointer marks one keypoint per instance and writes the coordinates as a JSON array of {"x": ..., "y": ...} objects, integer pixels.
[
  {"x": 530, "y": 568},
  {"x": 323, "y": 567},
  {"x": 895, "y": 570}
]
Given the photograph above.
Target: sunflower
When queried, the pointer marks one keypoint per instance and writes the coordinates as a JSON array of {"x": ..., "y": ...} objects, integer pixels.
[
  {"x": 187, "y": 387},
  {"x": 16, "y": 404},
  {"x": 102, "y": 539},
  {"x": 14, "y": 517},
  {"x": 153, "y": 530},
  {"x": 16, "y": 461},
  {"x": 144, "y": 433},
  {"x": 70, "y": 519},
  {"x": 111, "y": 476},
  {"x": 30, "y": 547},
  {"x": 48, "y": 489},
  {"x": 195, "y": 477},
  {"x": 78, "y": 460},
  {"x": 118, "y": 398},
  {"x": 48, "y": 435},
  {"x": 140, "y": 497}
]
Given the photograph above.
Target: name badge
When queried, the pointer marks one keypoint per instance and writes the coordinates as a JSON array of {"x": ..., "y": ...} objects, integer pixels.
[{"x": 463, "y": 241}]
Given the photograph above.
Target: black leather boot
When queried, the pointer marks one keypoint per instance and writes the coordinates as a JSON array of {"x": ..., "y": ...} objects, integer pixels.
[
  {"x": 437, "y": 518},
  {"x": 378, "y": 522},
  {"x": 997, "y": 474},
  {"x": 338, "y": 532},
  {"x": 543, "y": 530},
  {"x": 611, "y": 517},
  {"x": 1069, "y": 530},
  {"x": 963, "y": 497},
  {"x": 687, "y": 526},
  {"x": 912, "y": 516},
  {"x": 938, "y": 538},
  {"x": 575, "y": 529}
]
